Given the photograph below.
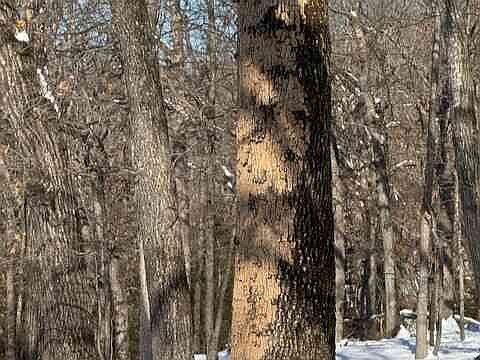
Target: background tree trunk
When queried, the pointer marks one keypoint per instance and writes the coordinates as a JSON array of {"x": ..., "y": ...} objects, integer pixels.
[
  {"x": 209, "y": 187},
  {"x": 338, "y": 203},
  {"x": 460, "y": 262},
  {"x": 154, "y": 188},
  {"x": 9, "y": 239},
  {"x": 426, "y": 221},
  {"x": 372, "y": 258},
  {"x": 378, "y": 138}
]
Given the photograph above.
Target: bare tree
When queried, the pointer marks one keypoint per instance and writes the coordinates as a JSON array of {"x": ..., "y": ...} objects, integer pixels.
[
  {"x": 57, "y": 301},
  {"x": 378, "y": 138},
  {"x": 426, "y": 221},
  {"x": 338, "y": 204},
  {"x": 463, "y": 117},
  {"x": 167, "y": 306},
  {"x": 283, "y": 305},
  {"x": 9, "y": 239}
]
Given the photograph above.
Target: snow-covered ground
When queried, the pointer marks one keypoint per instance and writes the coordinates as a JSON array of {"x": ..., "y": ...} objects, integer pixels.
[{"x": 403, "y": 346}]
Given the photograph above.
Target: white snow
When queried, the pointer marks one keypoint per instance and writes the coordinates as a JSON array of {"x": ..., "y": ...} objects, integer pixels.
[
  {"x": 403, "y": 333},
  {"x": 407, "y": 313},
  {"x": 22, "y": 36},
  {"x": 222, "y": 355},
  {"x": 228, "y": 173},
  {"x": 46, "y": 93},
  {"x": 402, "y": 347}
]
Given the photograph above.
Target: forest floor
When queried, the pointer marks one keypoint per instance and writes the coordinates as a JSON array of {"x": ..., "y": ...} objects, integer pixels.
[{"x": 403, "y": 346}]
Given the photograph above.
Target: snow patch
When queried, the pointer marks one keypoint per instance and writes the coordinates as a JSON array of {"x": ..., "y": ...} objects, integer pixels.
[
  {"x": 46, "y": 93},
  {"x": 450, "y": 325},
  {"x": 402, "y": 347},
  {"x": 22, "y": 36},
  {"x": 228, "y": 173},
  {"x": 223, "y": 355},
  {"x": 403, "y": 333},
  {"x": 408, "y": 313}
]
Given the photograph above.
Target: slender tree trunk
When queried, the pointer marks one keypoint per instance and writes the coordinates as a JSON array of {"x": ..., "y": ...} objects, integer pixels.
[
  {"x": 372, "y": 259},
  {"x": 283, "y": 304},
  {"x": 8, "y": 237},
  {"x": 460, "y": 256},
  {"x": 421, "y": 350},
  {"x": 372, "y": 273},
  {"x": 210, "y": 261},
  {"x": 432, "y": 315},
  {"x": 391, "y": 309},
  {"x": 198, "y": 263},
  {"x": 182, "y": 145},
  {"x": 209, "y": 187},
  {"x": 338, "y": 203},
  {"x": 178, "y": 29},
  {"x": 166, "y": 279},
  {"x": 424, "y": 322},
  {"x": 379, "y": 146},
  {"x": 439, "y": 297}
]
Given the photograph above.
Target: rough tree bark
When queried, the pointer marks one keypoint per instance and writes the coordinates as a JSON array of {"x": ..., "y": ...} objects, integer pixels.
[
  {"x": 283, "y": 304},
  {"x": 338, "y": 203},
  {"x": 165, "y": 276},
  {"x": 426, "y": 220},
  {"x": 58, "y": 299},
  {"x": 460, "y": 261},
  {"x": 8, "y": 237},
  {"x": 120, "y": 312},
  {"x": 465, "y": 133},
  {"x": 209, "y": 186},
  {"x": 372, "y": 257}
]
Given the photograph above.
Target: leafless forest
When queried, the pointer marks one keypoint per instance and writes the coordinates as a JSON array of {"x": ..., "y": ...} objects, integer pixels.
[{"x": 248, "y": 180}]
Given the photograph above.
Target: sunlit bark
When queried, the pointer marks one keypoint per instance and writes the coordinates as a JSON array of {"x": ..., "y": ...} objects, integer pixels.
[{"x": 284, "y": 305}]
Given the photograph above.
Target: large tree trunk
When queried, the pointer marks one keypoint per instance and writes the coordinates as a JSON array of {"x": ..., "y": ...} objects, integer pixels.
[
  {"x": 154, "y": 187},
  {"x": 466, "y": 135},
  {"x": 58, "y": 299},
  {"x": 283, "y": 304}
]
